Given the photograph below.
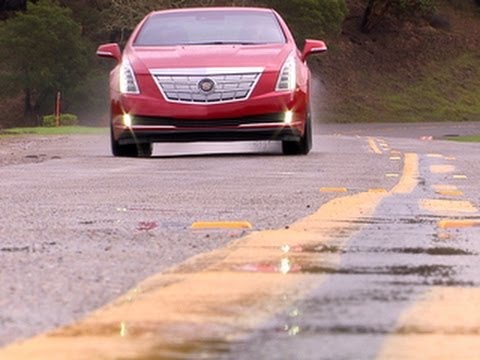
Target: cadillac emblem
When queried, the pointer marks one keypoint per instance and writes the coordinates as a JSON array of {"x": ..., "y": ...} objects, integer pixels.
[{"x": 206, "y": 85}]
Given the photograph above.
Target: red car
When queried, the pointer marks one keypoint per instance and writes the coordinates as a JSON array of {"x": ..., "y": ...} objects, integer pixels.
[{"x": 210, "y": 74}]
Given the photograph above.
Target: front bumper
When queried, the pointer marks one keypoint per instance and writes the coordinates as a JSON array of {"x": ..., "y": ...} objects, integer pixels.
[
  {"x": 262, "y": 117},
  {"x": 162, "y": 129}
]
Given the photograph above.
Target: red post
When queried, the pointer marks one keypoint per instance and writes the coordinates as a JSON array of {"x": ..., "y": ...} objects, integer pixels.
[{"x": 57, "y": 109}]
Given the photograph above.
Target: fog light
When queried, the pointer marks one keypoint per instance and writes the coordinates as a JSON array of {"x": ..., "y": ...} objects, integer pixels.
[
  {"x": 288, "y": 117},
  {"x": 127, "y": 120}
]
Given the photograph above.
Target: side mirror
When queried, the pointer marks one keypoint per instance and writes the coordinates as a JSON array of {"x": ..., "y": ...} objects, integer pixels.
[
  {"x": 110, "y": 51},
  {"x": 313, "y": 47}
]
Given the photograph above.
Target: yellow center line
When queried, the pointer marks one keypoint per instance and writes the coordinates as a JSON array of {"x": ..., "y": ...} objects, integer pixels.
[
  {"x": 378, "y": 190},
  {"x": 410, "y": 175},
  {"x": 225, "y": 293},
  {"x": 445, "y": 324}
]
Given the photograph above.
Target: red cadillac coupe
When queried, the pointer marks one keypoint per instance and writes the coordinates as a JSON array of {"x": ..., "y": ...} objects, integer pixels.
[{"x": 210, "y": 74}]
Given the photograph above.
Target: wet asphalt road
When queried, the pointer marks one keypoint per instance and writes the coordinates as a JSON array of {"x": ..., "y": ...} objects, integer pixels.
[{"x": 79, "y": 228}]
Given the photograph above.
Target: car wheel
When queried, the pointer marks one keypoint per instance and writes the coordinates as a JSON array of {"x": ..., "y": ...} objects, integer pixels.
[
  {"x": 304, "y": 145},
  {"x": 130, "y": 150}
]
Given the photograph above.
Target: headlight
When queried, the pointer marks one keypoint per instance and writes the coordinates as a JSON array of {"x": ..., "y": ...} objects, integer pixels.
[
  {"x": 128, "y": 83},
  {"x": 287, "y": 81}
]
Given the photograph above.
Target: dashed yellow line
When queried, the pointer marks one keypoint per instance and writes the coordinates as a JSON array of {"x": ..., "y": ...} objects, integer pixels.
[
  {"x": 450, "y": 192},
  {"x": 458, "y": 224},
  {"x": 435, "y": 156},
  {"x": 447, "y": 206},
  {"x": 374, "y": 147},
  {"x": 442, "y": 187},
  {"x": 460, "y": 177}
]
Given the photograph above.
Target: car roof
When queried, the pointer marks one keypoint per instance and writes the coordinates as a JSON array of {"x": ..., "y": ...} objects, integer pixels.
[{"x": 205, "y": 9}]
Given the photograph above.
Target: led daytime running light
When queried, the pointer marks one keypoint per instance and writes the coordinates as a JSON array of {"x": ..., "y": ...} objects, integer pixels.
[
  {"x": 287, "y": 80},
  {"x": 128, "y": 83}
]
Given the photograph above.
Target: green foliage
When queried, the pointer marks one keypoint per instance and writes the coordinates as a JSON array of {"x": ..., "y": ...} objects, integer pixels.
[
  {"x": 446, "y": 91},
  {"x": 42, "y": 51},
  {"x": 465, "y": 138},
  {"x": 376, "y": 11},
  {"x": 414, "y": 7},
  {"x": 65, "y": 120},
  {"x": 311, "y": 18}
]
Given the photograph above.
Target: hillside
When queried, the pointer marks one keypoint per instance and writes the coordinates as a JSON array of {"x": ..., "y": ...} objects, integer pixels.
[{"x": 427, "y": 70}]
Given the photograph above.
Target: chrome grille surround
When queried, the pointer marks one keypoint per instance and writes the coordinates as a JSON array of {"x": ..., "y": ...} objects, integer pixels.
[{"x": 231, "y": 84}]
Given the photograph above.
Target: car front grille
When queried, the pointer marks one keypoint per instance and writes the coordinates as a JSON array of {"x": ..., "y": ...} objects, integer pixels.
[
  {"x": 229, "y": 84},
  {"x": 274, "y": 118}
]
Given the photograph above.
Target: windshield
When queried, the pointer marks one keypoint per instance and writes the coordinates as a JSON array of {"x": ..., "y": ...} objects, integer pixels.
[{"x": 211, "y": 27}]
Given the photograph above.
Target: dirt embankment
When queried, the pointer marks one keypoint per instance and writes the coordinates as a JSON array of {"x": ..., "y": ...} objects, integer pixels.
[{"x": 396, "y": 70}]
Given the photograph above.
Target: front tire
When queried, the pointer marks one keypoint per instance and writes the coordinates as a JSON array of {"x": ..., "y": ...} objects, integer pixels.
[
  {"x": 130, "y": 150},
  {"x": 304, "y": 145}
]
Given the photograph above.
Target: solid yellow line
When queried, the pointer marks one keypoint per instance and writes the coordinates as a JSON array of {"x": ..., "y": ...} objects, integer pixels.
[
  {"x": 221, "y": 225},
  {"x": 409, "y": 179},
  {"x": 374, "y": 147},
  {"x": 445, "y": 324}
]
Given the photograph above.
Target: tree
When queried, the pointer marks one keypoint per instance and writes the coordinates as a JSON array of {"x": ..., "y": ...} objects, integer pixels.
[
  {"x": 42, "y": 52},
  {"x": 13, "y": 4},
  {"x": 311, "y": 18},
  {"x": 377, "y": 10}
]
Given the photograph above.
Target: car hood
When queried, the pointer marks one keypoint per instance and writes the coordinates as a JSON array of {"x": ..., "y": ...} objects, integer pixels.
[{"x": 270, "y": 57}]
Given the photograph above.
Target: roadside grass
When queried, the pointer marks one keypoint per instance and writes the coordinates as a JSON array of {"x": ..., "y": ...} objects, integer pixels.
[
  {"x": 464, "y": 138},
  {"x": 63, "y": 130},
  {"x": 444, "y": 91}
]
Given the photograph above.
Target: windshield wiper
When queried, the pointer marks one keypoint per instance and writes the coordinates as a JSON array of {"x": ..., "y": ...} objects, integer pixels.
[{"x": 218, "y": 42}]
